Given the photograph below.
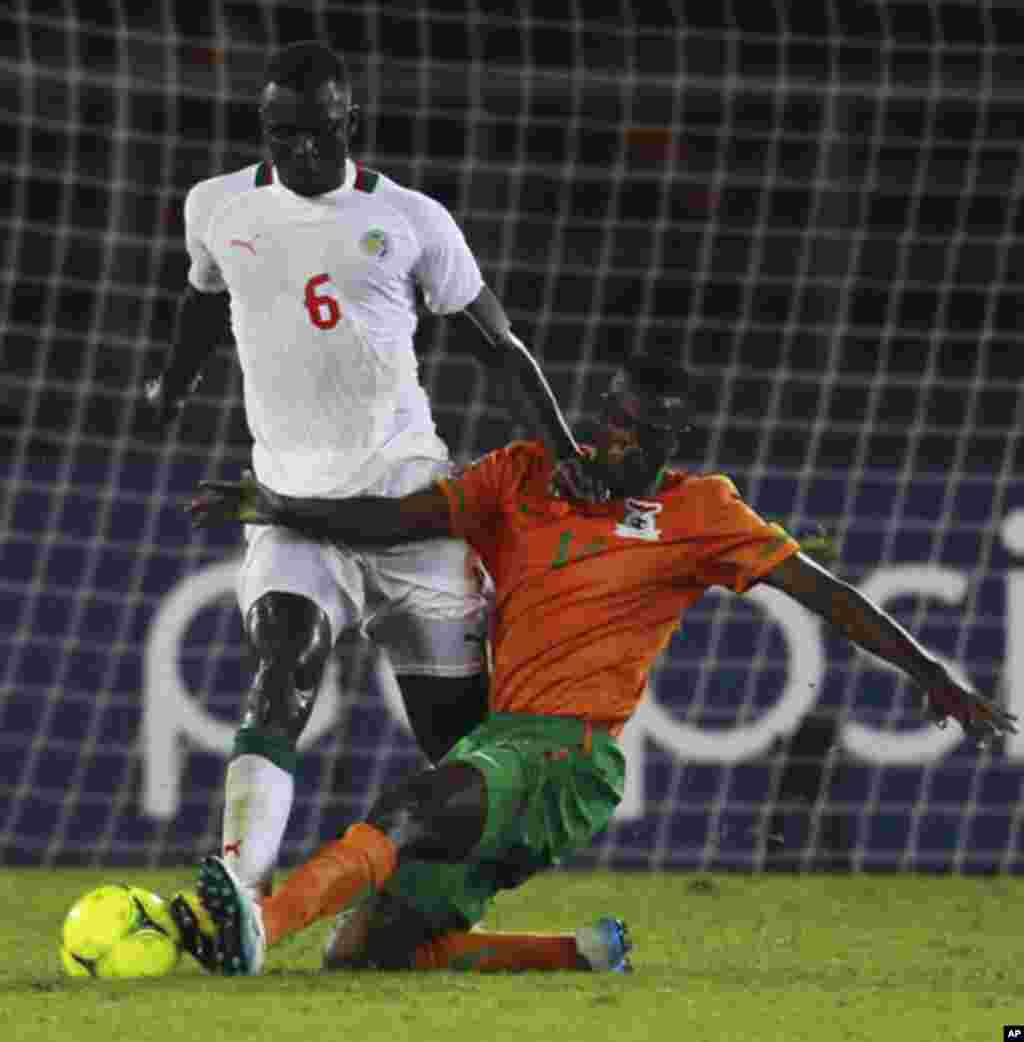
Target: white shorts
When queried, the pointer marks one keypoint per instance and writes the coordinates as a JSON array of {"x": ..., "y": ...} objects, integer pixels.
[{"x": 424, "y": 602}]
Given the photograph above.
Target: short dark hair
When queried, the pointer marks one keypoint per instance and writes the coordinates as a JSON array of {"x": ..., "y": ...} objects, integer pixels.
[
  {"x": 306, "y": 65},
  {"x": 658, "y": 373}
]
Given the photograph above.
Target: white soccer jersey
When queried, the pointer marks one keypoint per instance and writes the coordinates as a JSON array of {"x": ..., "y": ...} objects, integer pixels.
[{"x": 323, "y": 309}]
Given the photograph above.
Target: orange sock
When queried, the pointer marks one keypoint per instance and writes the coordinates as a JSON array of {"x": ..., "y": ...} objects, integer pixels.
[
  {"x": 482, "y": 952},
  {"x": 337, "y": 875}
]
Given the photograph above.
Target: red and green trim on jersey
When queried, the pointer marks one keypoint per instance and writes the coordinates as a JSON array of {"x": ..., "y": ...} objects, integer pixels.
[
  {"x": 264, "y": 175},
  {"x": 366, "y": 179}
]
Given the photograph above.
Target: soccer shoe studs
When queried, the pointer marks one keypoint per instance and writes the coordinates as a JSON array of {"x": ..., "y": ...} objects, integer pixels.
[
  {"x": 241, "y": 943},
  {"x": 198, "y": 938}
]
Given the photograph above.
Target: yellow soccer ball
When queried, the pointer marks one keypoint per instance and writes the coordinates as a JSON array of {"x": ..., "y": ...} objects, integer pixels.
[{"x": 119, "y": 931}]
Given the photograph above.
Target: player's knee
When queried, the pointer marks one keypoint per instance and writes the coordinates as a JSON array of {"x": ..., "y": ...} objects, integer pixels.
[
  {"x": 400, "y": 813},
  {"x": 289, "y": 631},
  {"x": 310, "y": 666},
  {"x": 437, "y": 815},
  {"x": 283, "y": 625},
  {"x": 291, "y": 639}
]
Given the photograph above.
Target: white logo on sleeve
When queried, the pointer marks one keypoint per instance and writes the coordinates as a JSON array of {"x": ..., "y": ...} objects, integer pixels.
[{"x": 640, "y": 521}]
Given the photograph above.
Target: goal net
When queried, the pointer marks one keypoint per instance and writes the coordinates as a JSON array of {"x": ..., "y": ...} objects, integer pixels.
[{"x": 822, "y": 215}]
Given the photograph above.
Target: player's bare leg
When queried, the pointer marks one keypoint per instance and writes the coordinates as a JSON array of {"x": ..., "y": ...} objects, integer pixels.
[
  {"x": 435, "y": 815},
  {"x": 440, "y": 710}
]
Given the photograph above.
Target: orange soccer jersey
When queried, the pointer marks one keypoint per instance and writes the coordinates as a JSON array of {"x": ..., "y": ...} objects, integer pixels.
[{"x": 588, "y": 596}]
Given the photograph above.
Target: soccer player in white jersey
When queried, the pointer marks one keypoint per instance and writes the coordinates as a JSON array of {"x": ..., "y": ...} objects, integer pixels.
[{"x": 321, "y": 260}]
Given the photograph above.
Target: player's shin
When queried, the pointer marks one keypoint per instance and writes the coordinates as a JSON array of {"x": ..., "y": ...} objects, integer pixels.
[
  {"x": 482, "y": 952},
  {"x": 339, "y": 875}
]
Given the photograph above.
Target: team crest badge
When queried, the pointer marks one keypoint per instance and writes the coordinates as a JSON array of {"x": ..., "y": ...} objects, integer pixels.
[
  {"x": 640, "y": 521},
  {"x": 375, "y": 243}
]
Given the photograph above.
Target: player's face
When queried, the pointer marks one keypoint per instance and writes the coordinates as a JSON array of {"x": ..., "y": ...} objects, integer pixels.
[
  {"x": 634, "y": 441},
  {"x": 307, "y": 135}
]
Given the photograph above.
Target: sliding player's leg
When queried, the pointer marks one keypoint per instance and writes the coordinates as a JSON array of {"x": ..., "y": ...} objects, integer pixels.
[
  {"x": 602, "y": 946},
  {"x": 439, "y": 813},
  {"x": 551, "y": 785},
  {"x": 512, "y": 798},
  {"x": 420, "y": 902},
  {"x": 423, "y": 919},
  {"x": 419, "y": 922}
]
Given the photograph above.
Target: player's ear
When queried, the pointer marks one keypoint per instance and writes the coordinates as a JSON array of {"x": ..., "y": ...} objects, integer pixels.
[{"x": 354, "y": 117}]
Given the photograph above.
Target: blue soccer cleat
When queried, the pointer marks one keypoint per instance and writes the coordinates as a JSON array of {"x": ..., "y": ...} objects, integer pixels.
[
  {"x": 241, "y": 941},
  {"x": 605, "y": 946}
]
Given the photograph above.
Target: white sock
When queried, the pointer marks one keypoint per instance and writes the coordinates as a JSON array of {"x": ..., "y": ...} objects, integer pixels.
[{"x": 258, "y": 798}]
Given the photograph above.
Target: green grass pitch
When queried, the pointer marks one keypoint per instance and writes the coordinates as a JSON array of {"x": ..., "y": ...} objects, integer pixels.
[{"x": 730, "y": 957}]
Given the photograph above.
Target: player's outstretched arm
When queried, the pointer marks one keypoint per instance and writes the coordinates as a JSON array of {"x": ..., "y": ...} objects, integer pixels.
[
  {"x": 201, "y": 326},
  {"x": 872, "y": 628},
  {"x": 359, "y": 521},
  {"x": 506, "y": 354}
]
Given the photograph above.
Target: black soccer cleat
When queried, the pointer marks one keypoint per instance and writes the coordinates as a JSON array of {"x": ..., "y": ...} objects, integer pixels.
[{"x": 200, "y": 943}]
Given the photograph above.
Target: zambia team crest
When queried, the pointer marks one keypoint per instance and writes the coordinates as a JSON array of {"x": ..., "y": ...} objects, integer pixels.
[
  {"x": 375, "y": 243},
  {"x": 640, "y": 521}
]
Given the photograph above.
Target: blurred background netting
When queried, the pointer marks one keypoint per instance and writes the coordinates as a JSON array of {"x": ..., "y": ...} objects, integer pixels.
[{"x": 818, "y": 206}]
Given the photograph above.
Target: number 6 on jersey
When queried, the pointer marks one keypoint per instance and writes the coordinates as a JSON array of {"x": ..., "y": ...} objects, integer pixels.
[{"x": 324, "y": 311}]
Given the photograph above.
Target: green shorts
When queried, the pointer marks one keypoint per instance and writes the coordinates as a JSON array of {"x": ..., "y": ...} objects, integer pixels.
[{"x": 552, "y": 785}]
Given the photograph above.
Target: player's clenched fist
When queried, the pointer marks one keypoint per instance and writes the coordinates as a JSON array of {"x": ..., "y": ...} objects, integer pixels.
[{"x": 245, "y": 501}]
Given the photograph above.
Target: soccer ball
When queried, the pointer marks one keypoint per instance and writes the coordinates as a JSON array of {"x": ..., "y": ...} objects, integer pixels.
[{"x": 119, "y": 931}]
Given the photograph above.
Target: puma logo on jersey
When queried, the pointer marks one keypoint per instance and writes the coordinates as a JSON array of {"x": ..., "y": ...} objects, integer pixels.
[
  {"x": 243, "y": 244},
  {"x": 640, "y": 521}
]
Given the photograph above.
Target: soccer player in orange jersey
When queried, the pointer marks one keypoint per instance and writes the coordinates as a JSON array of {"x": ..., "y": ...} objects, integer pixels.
[{"x": 587, "y": 596}]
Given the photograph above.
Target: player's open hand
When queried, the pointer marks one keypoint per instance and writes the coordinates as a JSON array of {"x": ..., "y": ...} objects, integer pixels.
[
  {"x": 161, "y": 408},
  {"x": 165, "y": 401},
  {"x": 980, "y": 717},
  {"x": 579, "y": 477},
  {"x": 245, "y": 501}
]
